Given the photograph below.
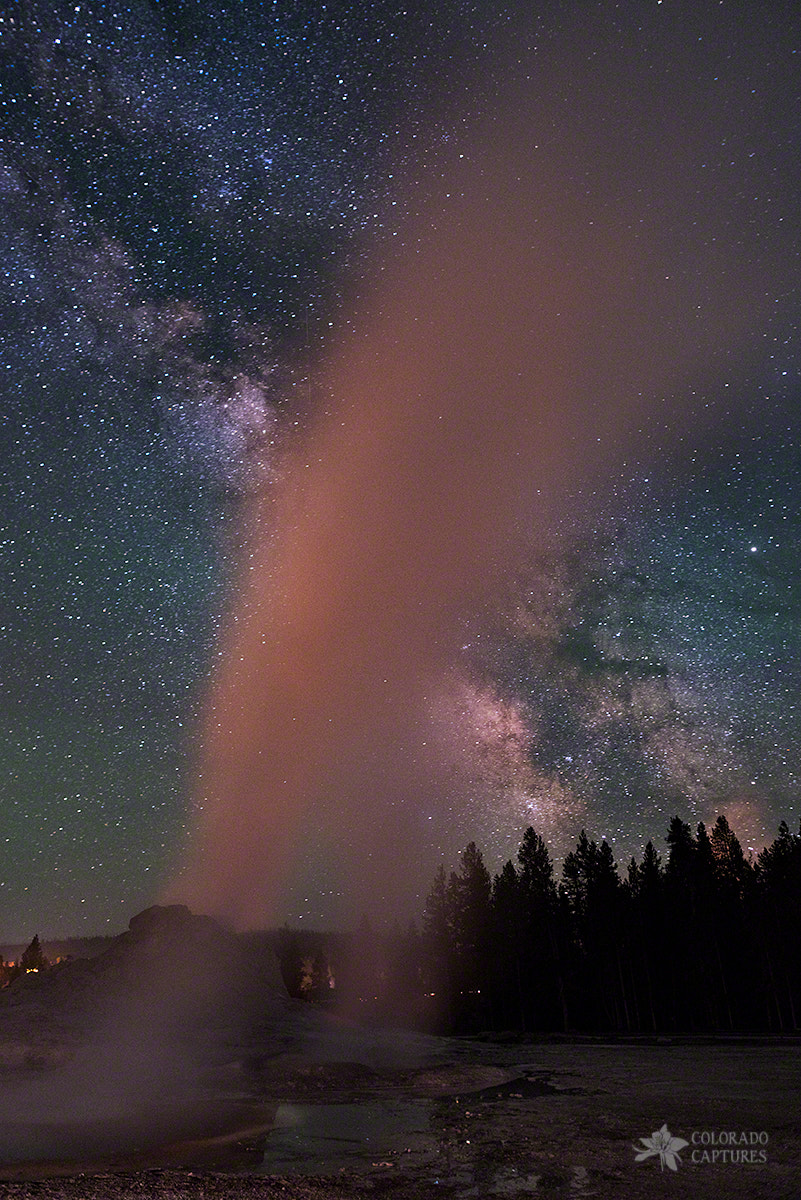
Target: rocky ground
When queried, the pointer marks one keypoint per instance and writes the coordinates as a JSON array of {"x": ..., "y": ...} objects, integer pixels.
[
  {"x": 476, "y": 1120},
  {"x": 300, "y": 1105}
]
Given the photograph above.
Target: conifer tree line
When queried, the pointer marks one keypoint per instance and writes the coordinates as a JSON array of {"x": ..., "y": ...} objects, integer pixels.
[{"x": 707, "y": 940}]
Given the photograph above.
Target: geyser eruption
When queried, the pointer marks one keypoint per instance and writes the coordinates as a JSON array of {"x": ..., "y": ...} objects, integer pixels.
[{"x": 570, "y": 270}]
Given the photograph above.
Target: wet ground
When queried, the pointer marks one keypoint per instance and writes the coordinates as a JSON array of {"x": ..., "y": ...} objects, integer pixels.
[{"x": 356, "y": 1113}]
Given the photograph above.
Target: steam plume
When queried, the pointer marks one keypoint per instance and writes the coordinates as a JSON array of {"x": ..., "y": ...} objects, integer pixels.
[{"x": 573, "y": 270}]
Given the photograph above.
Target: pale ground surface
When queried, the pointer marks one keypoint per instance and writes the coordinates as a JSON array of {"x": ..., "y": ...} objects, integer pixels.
[{"x": 347, "y": 1113}]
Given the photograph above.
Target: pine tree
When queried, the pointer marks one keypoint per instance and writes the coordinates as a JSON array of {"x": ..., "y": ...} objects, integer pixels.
[
  {"x": 593, "y": 890},
  {"x": 33, "y": 958},
  {"x": 471, "y": 908},
  {"x": 507, "y": 949},
  {"x": 778, "y": 897},
  {"x": 544, "y": 951},
  {"x": 647, "y": 936},
  {"x": 438, "y": 949},
  {"x": 686, "y": 959}
]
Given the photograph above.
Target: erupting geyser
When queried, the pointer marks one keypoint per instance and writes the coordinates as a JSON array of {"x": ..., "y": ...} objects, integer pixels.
[{"x": 567, "y": 274}]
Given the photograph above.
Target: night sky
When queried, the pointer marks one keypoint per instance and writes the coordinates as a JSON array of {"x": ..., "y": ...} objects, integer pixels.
[{"x": 208, "y": 216}]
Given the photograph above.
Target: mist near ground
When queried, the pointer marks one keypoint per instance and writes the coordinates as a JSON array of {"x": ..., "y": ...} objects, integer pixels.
[{"x": 115, "y": 1053}]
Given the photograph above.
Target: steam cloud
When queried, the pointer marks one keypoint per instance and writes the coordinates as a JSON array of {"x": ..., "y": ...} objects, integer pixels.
[{"x": 570, "y": 282}]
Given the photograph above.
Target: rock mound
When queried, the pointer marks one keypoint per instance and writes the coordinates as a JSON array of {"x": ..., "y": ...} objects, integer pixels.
[{"x": 172, "y": 970}]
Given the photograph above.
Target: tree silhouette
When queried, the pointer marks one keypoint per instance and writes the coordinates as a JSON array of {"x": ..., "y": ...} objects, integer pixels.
[
  {"x": 544, "y": 950},
  {"x": 648, "y": 937},
  {"x": 592, "y": 888},
  {"x": 33, "y": 958},
  {"x": 778, "y": 899},
  {"x": 471, "y": 923},
  {"x": 438, "y": 949},
  {"x": 509, "y": 981}
]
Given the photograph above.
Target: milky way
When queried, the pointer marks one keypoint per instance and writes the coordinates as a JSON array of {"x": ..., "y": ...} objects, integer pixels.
[{"x": 199, "y": 207}]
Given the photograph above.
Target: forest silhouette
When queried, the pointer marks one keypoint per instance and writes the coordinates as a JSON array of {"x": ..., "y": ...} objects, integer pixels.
[{"x": 706, "y": 942}]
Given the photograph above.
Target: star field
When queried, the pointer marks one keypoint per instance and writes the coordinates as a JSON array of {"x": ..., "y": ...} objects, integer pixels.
[
  {"x": 664, "y": 676},
  {"x": 192, "y": 195}
]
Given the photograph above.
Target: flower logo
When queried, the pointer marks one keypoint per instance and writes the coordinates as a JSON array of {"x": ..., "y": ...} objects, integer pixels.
[{"x": 665, "y": 1145}]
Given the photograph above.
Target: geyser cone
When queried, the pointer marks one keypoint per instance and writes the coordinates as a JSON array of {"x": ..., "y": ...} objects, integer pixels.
[{"x": 142, "y": 1026}]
